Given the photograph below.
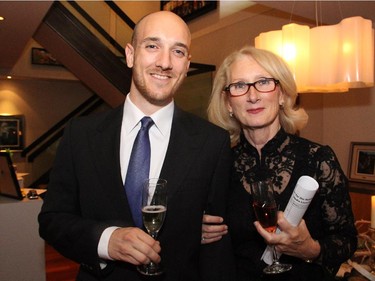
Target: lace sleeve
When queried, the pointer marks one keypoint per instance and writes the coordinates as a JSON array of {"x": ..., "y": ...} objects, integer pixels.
[{"x": 340, "y": 235}]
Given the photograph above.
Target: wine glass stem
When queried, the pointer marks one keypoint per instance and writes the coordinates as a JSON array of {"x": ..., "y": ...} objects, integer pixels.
[
  {"x": 275, "y": 255},
  {"x": 154, "y": 235}
]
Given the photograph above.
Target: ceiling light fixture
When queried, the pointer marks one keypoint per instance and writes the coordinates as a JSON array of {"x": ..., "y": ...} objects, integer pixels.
[{"x": 331, "y": 58}]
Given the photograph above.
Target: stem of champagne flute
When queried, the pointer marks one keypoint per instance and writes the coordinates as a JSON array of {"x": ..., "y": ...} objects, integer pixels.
[{"x": 154, "y": 235}]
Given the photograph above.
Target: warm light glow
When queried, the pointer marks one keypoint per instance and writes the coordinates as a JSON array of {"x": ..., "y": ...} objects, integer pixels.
[
  {"x": 290, "y": 52},
  {"x": 329, "y": 58},
  {"x": 9, "y": 77},
  {"x": 2, "y": 18},
  {"x": 346, "y": 48}
]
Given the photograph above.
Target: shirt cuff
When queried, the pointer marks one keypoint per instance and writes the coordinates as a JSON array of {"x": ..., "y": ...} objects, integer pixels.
[{"x": 104, "y": 241}]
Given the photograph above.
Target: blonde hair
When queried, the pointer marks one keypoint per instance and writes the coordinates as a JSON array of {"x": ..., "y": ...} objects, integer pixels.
[{"x": 291, "y": 117}]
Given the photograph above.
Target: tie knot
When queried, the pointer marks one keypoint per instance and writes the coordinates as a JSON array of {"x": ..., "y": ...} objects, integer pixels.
[{"x": 146, "y": 122}]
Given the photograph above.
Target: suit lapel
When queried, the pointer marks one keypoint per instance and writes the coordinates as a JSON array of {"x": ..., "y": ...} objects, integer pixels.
[
  {"x": 105, "y": 145},
  {"x": 184, "y": 144}
]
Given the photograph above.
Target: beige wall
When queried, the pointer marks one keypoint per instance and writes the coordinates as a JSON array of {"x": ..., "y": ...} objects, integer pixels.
[
  {"x": 348, "y": 117},
  {"x": 137, "y": 9},
  {"x": 42, "y": 102}
]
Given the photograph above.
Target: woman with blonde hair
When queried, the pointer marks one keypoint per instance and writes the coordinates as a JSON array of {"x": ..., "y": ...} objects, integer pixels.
[
  {"x": 291, "y": 118},
  {"x": 254, "y": 98}
]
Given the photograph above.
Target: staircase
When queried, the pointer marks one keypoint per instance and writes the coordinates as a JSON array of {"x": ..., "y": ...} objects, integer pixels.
[{"x": 80, "y": 51}]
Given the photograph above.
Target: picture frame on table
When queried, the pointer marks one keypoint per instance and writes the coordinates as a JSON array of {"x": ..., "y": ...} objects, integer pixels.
[
  {"x": 362, "y": 162},
  {"x": 12, "y": 132},
  {"x": 188, "y": 10}
]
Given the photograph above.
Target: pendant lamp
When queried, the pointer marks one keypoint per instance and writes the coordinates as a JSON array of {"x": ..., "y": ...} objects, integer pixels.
[{"x": 325, "y": 59}]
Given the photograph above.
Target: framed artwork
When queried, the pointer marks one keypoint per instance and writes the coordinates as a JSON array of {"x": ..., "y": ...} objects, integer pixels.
[
  {"x": 43, "y": 57},
  {"x": 188, "y": 10},
  {"x": 362, "y": 162},
  {"x": 11, "y": 132}
]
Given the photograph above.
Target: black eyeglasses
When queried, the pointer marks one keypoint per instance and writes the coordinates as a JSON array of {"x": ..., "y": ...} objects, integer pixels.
[{"x": 263, "y": 85}]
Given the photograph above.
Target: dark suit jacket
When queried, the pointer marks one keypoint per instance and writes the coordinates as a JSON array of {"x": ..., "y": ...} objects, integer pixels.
[{"x": 86, "y": 195}]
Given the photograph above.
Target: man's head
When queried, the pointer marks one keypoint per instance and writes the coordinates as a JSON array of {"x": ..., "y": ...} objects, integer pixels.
[{"x": 160, "y": 58}]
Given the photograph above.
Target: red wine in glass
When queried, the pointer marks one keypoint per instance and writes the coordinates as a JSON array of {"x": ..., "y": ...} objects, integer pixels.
[
  {"x": 266, "y": 214},
  {"x": 265, "y": 209}
]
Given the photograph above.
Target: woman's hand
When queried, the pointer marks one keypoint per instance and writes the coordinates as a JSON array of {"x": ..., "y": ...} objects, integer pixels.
[
  {"x": 292, "y": 241},
  {"x": 212, "y": 229}
]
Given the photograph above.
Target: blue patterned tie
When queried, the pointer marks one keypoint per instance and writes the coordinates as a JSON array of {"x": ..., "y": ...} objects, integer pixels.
[{"x": 138, "y": 170}]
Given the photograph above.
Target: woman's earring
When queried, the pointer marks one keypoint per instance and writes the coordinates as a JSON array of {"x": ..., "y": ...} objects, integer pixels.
[
  {"x": 282, "y": 106},
  {"x": 231, "y": 114}
]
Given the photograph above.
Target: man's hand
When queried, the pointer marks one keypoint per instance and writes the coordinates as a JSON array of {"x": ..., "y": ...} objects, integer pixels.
[
  {"x": 212, "y": 229},
  {"x": 134, "y": 246}
]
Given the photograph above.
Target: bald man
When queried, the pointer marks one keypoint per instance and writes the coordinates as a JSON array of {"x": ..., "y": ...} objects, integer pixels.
[{"x": 86, "y": 214}]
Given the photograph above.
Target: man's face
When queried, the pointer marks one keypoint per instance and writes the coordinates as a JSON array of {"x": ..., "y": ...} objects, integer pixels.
[{"x": 160, "y": 59}]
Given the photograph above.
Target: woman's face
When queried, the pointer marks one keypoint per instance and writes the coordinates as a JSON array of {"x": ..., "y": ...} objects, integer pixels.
[{"x": 254, "y": 110}]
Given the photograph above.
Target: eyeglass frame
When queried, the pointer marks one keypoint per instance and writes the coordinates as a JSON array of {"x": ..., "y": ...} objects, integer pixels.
[{"x": 227, "y": 88}]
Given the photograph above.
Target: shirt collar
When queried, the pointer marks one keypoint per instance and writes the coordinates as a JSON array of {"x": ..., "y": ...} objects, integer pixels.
[{"x": 162, "y": 118}]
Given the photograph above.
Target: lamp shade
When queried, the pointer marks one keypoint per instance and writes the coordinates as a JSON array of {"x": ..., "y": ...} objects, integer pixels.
[{"x": 330, "y": 58}]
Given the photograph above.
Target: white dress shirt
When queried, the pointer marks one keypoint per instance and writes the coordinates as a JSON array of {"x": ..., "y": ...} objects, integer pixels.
[{"x": 159, "y": 134}]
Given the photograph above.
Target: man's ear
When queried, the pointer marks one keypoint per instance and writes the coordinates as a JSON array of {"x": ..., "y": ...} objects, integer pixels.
[
  {"x": 188, "y": 64},
  {"x": 129, "y": 54}
]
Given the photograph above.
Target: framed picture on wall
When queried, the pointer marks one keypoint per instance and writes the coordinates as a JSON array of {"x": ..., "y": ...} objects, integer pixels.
[
  {"x": 11, "y": 132},
  {"x": 188, "y": 10},
  {"x": 43, "y": 57},
  {"x": 362, "y": 162}
]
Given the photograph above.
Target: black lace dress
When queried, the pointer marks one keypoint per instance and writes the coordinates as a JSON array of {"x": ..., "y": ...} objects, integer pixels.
[{"x": 329, "y": 217}]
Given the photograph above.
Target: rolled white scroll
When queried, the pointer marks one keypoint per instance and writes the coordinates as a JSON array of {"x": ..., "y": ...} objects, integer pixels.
[{"x": 303, "y": 193}]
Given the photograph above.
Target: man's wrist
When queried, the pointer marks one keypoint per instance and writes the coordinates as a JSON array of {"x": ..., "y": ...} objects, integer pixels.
[{"x": 104, "y": 242}]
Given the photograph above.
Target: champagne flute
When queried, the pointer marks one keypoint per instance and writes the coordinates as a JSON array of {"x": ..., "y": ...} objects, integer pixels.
[
  {"x": 265, "y": 209},
  {"x": 154, "y": 208}
]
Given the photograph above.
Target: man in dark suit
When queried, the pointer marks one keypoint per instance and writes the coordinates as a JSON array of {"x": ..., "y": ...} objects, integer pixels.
[{"x": 86, "y": 214}]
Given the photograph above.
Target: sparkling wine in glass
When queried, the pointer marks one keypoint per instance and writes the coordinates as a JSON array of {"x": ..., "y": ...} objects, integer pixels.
[
  {"x": 265, "y": 209},
  {"x": 154, "y": 209}
]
